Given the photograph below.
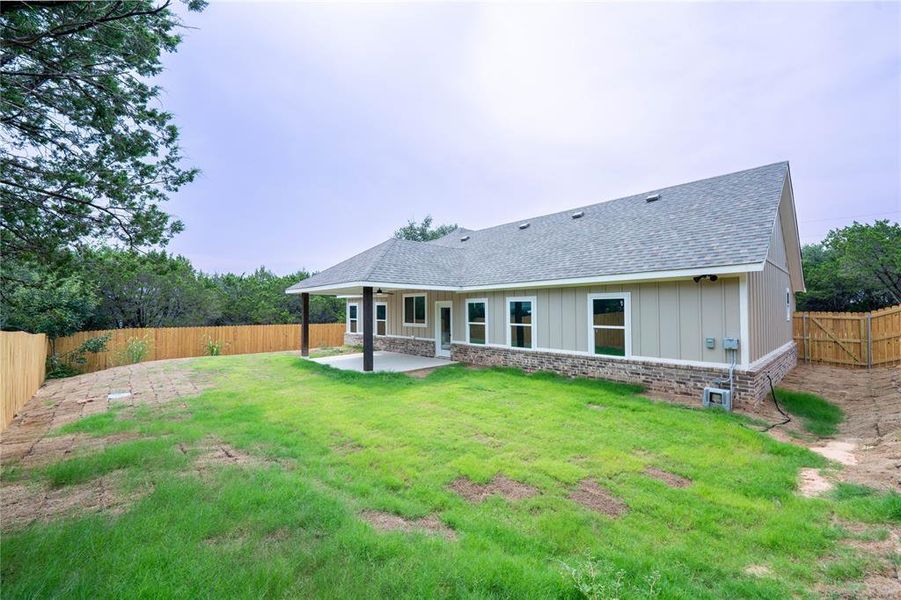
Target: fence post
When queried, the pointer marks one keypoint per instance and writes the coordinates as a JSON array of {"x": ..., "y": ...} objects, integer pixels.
[
  {"x": 806, "y": 340},
  {"x": 869, "y": 340}
]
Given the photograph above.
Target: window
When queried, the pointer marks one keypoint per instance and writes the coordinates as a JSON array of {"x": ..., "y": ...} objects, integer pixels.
[
  {"x": 381, "y": 318},
  {"x": 477, "y": 321},
  {"x": 609, "y": 324},
  {"x": 414, "y": 310},
  {"x": 520, "y": 322},
  {"x": 788, "y": 304},
  {"x": 352, "y": 318}
]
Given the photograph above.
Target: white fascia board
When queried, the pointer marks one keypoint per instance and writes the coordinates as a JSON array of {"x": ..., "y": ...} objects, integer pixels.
[
  {"x": 335, "y": 289},
  {"x": 622, "y": 278},
  {"x": 339, "y": 288}
]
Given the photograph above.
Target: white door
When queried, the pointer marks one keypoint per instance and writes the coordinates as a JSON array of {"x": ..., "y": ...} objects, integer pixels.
[{"x": 443, "y": 327}]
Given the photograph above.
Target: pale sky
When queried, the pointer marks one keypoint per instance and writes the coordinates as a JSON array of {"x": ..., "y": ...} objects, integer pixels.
[{"x": 321, "y": 128}]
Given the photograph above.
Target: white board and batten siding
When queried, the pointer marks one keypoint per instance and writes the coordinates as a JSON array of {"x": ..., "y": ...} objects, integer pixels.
[
  {"x": 769, "y": 319},
  {"x": 669, "y": 319}
]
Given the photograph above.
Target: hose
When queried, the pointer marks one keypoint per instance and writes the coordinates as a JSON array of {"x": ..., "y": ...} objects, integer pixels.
[{"x": 779, "y": 408}]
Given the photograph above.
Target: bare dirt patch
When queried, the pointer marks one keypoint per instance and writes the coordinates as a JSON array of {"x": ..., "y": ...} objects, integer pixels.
[
  {"x": 871, "y": 401},
  {"x": 839, "y": 451},
  {"x": 596, "y": 406},
  {"x": 499, "y": 486},
  {"x": 758, "y": 570},
  {"x": 213, "y": 454},
  {"x": 23, "y": 503},
  {"x": 487, "y": 440},
  {"x": 348, "y": 448},
  {"x": 670, "y": 479},
  {"x": 594, "y": 497},
  {"x": 812, "y": 483},
  {"x": 420, "y": 373},
  {"x": 430, "y": 524}
]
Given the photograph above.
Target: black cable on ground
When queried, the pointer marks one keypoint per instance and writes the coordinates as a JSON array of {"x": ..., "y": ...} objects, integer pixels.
[{"x": 779, "y": 408}]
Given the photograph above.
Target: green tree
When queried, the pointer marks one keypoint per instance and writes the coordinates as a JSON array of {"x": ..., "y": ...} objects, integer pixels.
[
  {"x": 855, "y": 268},
  {"x": 423, "y": 231},
  {"x": 87, "y": 154},
  {"x": 260, "y": 298},
  {"x": 52, "y": 305},
  {"x": 871, "y": 253},
  {"x": 155, "y": 289}
]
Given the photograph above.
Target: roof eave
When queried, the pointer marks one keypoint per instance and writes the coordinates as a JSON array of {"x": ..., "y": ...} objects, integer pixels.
[{"x": 335, "y": 289}]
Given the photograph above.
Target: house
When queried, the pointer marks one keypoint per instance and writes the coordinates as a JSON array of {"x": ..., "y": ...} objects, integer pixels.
[{"x": 675, "y": 288}]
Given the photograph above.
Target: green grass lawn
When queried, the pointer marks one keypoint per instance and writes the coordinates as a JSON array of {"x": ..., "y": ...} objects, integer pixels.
[
  {"x": 819, "y": 416},
  {"x": 332, "y": 444}
]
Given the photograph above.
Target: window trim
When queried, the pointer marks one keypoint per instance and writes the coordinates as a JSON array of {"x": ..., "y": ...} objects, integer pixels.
[
  {"x": 375, "y": 317},
  {"x": 788, "y": 305},
  {"x": 468, "y": 322},
  {"x": 626, "y": 297},
  {"x": 348, "y": 319},
  {"x": 403, "y": 309},
  {"x": 533, "y": 324}
]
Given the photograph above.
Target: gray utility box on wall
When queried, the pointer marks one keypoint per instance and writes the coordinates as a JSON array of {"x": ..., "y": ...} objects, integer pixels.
[
  {"x": 730, "y": 343},
  {"x": 718, "y": 397}
]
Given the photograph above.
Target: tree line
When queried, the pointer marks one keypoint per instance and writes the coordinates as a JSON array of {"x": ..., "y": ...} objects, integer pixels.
[{"x": 108, "y": 288}]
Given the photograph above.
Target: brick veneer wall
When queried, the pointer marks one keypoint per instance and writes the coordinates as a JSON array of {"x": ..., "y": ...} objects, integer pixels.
[
  {"x": 414, "y": 346},
  {"x": 678, "y": 380}
]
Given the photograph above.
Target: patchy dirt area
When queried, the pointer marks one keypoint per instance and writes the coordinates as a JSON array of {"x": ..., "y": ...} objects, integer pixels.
[
  {"x": 499, "y": 486},
  {"x": 28, "y": 442},
  {"x": 430, "y": 524},
  {"x": 882, "y": 547},
  {"x": 594, "y": 497},
  {"x": 25, "y": 502},
  {"x": 670, "y": 479},
  {"x": 62, "y": 401},
  {"x": 758, "y": 570},
  {"x": 868, "y": 443},
  {"x": 811, "y": 482}
]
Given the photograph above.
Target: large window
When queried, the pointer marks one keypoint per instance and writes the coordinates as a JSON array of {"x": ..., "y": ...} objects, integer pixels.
[
  {"x": 477, "y": 321},
  {"x": 381, "y": 318},
  {"x": 353, "y": 312},
  {"x": 414, "y": 310},
  {"x": 521, "y": 322},
  {"x": 609, "y": 324}
]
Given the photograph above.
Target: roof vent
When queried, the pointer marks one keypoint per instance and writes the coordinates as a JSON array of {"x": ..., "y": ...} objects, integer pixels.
[
  {"x": 652, "y": 198},
  {"x": 524, "y": 225},
  {"x": 578, "y": 214},
  {"x": 464, "y": 238}
]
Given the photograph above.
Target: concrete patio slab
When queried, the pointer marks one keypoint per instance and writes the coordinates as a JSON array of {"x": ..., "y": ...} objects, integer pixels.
[{"x": 394, "y": 362}]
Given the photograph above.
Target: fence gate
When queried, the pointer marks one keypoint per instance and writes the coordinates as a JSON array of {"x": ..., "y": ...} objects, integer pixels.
[{"x": 853, "y": 339}]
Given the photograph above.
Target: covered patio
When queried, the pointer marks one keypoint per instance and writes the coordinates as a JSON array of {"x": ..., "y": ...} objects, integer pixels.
[
  {"x": 436, "y": 318},
  {"x": 390, "y": 362}
]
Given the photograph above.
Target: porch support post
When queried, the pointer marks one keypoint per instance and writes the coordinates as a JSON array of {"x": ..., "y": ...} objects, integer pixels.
[
  {"x": 367, "y": 329},
  {"x": 305, "y": 325}
]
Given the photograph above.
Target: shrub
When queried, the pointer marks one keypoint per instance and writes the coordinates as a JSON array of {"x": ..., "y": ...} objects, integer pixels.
[
  {"x": 213, "y": 347},
  {"x": 136, "y": 350},
  {"x": 69, "y": 363}
]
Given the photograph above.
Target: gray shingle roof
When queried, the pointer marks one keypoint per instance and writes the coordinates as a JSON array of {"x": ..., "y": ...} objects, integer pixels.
[{"x": 721, "y": 221}]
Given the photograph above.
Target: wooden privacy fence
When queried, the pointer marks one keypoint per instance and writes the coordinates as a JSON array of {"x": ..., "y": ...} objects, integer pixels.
[
  {"x": 22, "y": 360},
  {"x": 184, "y": 342},
  {"x": 855, "y": 339}
]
